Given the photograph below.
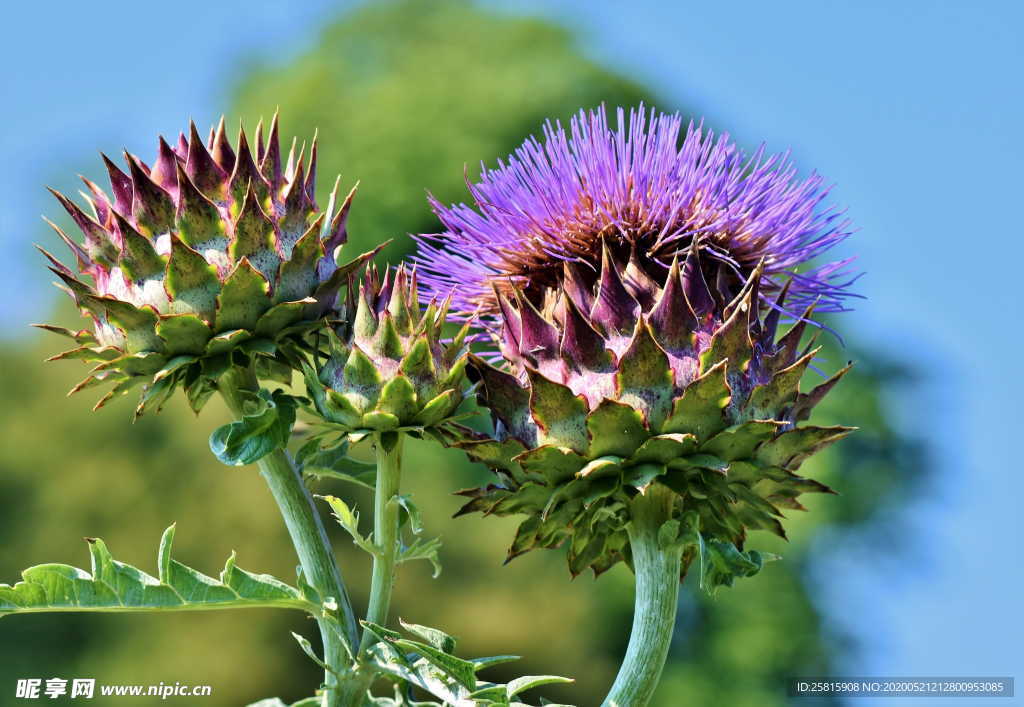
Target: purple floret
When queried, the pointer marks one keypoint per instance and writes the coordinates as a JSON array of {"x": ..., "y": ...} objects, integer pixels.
[{"x": 635, "y": 188}]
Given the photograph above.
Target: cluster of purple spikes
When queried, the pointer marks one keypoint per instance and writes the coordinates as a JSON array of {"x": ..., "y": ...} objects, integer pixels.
[{"x": 636, "y": 189}]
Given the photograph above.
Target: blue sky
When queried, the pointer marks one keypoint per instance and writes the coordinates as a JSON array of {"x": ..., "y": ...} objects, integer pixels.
[{"x": 914, "y": 109}]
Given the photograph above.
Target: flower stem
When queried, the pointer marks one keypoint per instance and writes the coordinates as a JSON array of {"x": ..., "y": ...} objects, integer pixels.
[
  {"x": 385, "y": 532},
  {"x": 657, "y": 591},
  {"x": 308, "y": 536}
]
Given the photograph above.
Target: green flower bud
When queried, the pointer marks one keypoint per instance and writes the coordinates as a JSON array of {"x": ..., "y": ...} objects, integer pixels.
[{"x": 387, "y": 367}]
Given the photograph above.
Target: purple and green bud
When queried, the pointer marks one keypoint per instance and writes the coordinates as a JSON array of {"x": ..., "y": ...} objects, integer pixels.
[
  {"x": 388, "y": 368},
  {"x": 214, "y": 256}
]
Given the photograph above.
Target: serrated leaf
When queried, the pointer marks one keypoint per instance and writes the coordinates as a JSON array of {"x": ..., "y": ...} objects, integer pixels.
[
  {"x": 348, "y": 519},
  {"x": 423, "y": 549},
  {"x": 114, "y": 586},
  {"x": 432, "y": 667}
]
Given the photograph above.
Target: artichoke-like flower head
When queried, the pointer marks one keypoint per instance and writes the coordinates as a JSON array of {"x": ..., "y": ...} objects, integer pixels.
[
  {"x": 636, "y": 292},
  {"x": 388, "y": 367},
  {"x": 213, "y": 256}
]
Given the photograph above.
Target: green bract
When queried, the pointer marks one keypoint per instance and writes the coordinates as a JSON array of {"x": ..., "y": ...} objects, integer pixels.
[
  {"x": 632, "y": 384},
  {"x": 209, "y": 258},
  {"x": 388, "y": 368}
]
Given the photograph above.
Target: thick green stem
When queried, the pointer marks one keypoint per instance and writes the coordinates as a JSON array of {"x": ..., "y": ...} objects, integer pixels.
[
  {"x": 385, "y": 533},
  {"x": 309, "y": 538},
  {"x": 657, "y": 591}
]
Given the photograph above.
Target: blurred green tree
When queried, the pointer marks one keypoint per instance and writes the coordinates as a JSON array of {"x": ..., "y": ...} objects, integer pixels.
[{"x": 404, "y": 95}]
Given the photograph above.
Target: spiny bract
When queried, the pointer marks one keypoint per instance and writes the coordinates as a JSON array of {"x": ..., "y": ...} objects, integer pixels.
[
  {"x": 209, "y": 258},
  {"x": 388, "y": 368},
  {"x": 634, "y": 383}
]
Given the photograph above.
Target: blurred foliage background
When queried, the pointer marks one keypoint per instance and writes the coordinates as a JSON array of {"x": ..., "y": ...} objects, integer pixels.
[{"x": 408, "y": 96}]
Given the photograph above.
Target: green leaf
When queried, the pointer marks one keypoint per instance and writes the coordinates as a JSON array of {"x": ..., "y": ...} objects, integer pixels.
[
  {"x": 411, "y": 515},
  {"x": 432, "y": 667},
  {"x": 258, "y": 433},
  {"x": 664, "y": 448},
  {"x": 528, "y": 682},
  {"x": 349, "y": 520},
  {"x": 192, "y": 282},
  {"x": 602, "y": 466},
  {"x": 334, "y": 463},
  {"x": 423, "y": 549},
  {"x": 173, "y": 366},
  {"x": 435, "y": 637},
  {"x": 439, "y": 408},
  {"x": 462, "y": 671},
  {"x": 731, "y": 341},
  {"x": 722, "y": 563},
  {"x": 641, "y": 475},
  {"x": 307, "y": 648},
  {"x": 113, "y": 586},
  {"x": 489, "y": 661}
]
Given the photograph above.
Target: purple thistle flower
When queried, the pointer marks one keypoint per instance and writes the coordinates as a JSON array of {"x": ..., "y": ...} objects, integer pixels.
[{"x": 636, "y": 190}]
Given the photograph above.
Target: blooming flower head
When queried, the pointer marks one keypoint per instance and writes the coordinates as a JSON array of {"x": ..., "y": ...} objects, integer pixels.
[
  {"x": 634, "y": 285},
  {"x": 556, "y": 204}
]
